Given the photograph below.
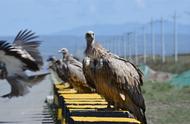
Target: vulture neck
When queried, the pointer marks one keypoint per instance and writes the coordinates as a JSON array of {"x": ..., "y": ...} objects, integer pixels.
[
  {"x": 90, "y": 43},
  {"x": 65, "y": 57},
  {"x": 68, "y": 58},
  {"x": 89, "y": 47}
]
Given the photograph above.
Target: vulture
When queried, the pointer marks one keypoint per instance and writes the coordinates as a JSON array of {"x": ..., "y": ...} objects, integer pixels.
[
  {"x": 75, "y": 72},
  {"x": 52, "y": 63},
  {"x": 3, "y": 70},
  {"x": 119, "y": 81},
  {"x": 17, "y": 58},
  {"x": 58, "y": 67}
]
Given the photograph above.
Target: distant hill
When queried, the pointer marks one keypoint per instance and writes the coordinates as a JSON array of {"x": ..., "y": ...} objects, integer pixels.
[
  {"x": 118, "y": 29},
  {"x": 110, "y": 37},
  {"x": 106, "y": 29}
]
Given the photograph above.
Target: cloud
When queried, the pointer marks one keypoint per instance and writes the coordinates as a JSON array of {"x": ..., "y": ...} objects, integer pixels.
[{"x": 140, "y": 3}]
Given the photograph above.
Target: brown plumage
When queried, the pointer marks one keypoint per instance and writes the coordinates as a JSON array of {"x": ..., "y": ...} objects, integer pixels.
[
  {"x": 116, "y": 79},
  {"x": 88, "y": 72},
  {"x": 59, "y": 68},
  {"x": 75, "y": 73}
]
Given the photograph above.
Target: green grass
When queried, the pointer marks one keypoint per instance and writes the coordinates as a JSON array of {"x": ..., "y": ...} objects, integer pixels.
[{"x": 166, "y": 104}]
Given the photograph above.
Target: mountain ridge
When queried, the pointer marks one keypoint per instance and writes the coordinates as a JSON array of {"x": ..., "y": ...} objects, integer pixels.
[{"x": 119, "y": 29}]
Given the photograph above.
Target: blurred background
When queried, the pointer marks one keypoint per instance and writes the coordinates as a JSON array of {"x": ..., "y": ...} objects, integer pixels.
[{"x": 154, "y": 34}]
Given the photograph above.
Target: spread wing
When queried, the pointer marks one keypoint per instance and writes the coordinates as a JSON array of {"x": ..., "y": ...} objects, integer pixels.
[
  {"x": 15, "y": 60},
  {"x": 27, "y": 40},
  {"x": 23, "y": 54},
  {"x": 127, "y": 78}
]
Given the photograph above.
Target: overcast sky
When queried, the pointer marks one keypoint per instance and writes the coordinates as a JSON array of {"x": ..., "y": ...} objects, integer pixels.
[{"x": 49, "y": 16}]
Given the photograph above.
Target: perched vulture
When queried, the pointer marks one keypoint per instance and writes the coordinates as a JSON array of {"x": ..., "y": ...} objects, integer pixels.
[
  {"x": 58, "y": 67},
  {"x": 52, "y": 63},
  {"x": 16, "y": 58},
  {"x": 75, "y": 73},
  {"x": 116, "y": 79}
]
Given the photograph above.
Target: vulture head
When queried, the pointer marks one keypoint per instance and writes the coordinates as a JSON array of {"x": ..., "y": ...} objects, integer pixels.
[
  {"x": 51, "y": 59},
  {"x": 90, "y": 37},
  {"x": 64, "y": 51}
]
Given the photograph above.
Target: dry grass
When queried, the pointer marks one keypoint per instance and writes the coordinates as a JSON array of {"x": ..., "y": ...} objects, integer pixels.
[
  {"x": 166, "y": 104},
  {"x": 169, "y": 66}
]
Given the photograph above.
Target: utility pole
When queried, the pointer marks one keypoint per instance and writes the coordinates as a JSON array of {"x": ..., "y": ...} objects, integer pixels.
[
  {"x": 108, "y": 44},
  {"x": 120, "y": 45},
  {"x": 129, "y": 47},
  {"x": 153, "y": 40},
  {"x": 162, "y": 40},
  {"x": 175, "y": 38},
  {"x": 125, "y": 45},
  {"x": 144, "y": 41},
  {"x": 102, "y": 43},
  {"x": 114, "y": 45},
  {"x": 75, "y": 48},
  {"x": 135, "y": 42}
]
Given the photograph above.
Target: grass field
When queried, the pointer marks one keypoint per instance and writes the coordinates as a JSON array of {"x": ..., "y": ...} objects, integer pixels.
[
  {"x": 183, "y": 63},
  {"x": 166, "y": 104}
]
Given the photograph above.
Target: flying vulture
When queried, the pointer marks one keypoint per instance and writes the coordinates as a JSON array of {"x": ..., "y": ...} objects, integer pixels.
[
  {"x": 23, "y": 54},
  {"x": 115, "y": 78},
  {"x": 75, "y": 73}
]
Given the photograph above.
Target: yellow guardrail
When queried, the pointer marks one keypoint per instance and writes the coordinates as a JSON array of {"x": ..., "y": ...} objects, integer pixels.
[
  {"x": 84, "y": 108},
  {"x": 104, "y": 119}
]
